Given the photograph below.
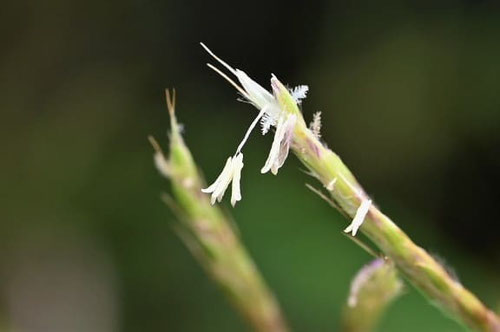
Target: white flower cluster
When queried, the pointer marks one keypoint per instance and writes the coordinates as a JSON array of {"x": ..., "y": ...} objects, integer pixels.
[{"x": 270, "y": 114}]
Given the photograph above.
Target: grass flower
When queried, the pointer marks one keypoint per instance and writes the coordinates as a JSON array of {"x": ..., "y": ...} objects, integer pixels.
[
  {"x": 271, "y": 114},
  {"x": 427, "y": 274}
]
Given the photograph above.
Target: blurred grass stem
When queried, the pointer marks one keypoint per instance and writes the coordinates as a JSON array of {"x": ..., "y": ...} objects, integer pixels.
[
  {"x": 210, "y": 235},
  {"x": 420, "y": 268}
]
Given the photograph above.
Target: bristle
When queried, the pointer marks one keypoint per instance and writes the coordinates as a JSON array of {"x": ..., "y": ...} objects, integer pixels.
[
  {"x": 240, "y": 90},
  {"x": 231, "y": 69}
]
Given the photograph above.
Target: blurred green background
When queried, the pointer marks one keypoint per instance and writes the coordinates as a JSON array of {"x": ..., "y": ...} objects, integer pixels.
[{"x": 410, "y": 94}]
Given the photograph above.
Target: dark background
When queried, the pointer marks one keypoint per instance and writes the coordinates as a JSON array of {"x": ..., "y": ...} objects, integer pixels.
[{"x": 410, "y": 97}]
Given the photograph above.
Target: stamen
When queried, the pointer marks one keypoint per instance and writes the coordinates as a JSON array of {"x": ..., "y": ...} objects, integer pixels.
[
  {"x": 235, "y": 188},
  {"x": 221, "y": 180},
  {"x": 359, "y": 218},
  {"x": 226, "y": 177},
  {"x": 249, "y": 130}
]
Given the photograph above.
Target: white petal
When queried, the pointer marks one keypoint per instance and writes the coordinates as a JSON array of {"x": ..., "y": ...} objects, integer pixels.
[
  {"x": 359, "y": 218},
  {"x": 235, "y": 189}
]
